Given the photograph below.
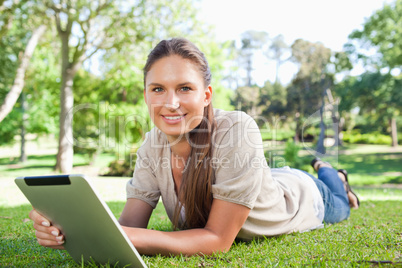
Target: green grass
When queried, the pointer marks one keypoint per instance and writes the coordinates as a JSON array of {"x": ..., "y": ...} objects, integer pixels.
[{"x": 372, "y": 236}]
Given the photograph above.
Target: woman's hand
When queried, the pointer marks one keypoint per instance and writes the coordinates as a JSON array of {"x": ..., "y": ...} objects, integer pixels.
[{"x": 46, "y": 234}]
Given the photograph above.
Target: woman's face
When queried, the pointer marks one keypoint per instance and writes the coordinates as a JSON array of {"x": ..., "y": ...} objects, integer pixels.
[{"x": 176, "y": 95}]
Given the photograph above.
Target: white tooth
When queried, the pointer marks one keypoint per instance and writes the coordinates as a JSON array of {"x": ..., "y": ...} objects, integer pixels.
[{"x": 173, "y": 117}]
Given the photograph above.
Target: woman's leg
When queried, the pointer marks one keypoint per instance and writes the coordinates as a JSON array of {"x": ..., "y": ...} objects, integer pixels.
[
  {"x": 336, "y": 208},
  {"x": 333, "y": 192},
  {"x": 330, "y": 177},
  {"x": 324, "y": 175}
]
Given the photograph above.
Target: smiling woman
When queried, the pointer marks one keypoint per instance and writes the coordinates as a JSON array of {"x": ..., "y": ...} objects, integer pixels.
[
  {"x": 209, "y": 168},
  {"x": 178, "y": 95}
]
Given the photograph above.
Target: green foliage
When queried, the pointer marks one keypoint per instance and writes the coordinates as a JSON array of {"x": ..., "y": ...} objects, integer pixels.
[
  {"x": 292, "y": 153},
  {"x": 276, "y": 134},
  {"x": 381, "y": 32},
  {"x": 304, "y": 94},
  {"x": 10, "y": 127},
  {"x": 120, "y": 168},
  {"x": 40, "y": 85},
  {"x": 273, "y": 99},
  {"x": 292, "y": 157},
  {"x": 103, "y": 125},
  {"x": 246, "y": 99},
  {"x": 355, "y": 136},
  {"x": 377, "y": 96},
  {"x": 12, "y": 42},
  {"x": 313, "y": 59}
]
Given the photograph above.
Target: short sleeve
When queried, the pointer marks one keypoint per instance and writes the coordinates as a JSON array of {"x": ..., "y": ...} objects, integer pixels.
[
  {"x": 238, "y": 160},
  {"x": 144, "y": 185}
]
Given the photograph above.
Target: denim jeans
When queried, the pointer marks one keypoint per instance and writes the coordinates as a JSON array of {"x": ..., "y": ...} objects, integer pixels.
[{"x": 333, "y": 193}]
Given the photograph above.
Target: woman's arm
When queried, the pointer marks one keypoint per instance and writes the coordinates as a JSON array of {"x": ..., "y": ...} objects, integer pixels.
[
  {"x": 136, "y": 213},
  {"x": 224, "y": 222}
]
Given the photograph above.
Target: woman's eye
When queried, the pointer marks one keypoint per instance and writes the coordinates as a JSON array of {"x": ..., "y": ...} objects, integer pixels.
[
  {"x": 185, "y": 89},
  {"x": 157, "y": 89}
]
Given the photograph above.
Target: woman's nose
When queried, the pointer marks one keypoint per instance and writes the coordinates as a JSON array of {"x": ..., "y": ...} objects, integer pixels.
[{"x": 172, "y": 101}]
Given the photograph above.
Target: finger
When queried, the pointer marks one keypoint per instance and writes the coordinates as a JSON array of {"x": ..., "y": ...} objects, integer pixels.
[
  {"x": 46, "y": 239},
  {"x": 39, "y": 219},
  {"x": 48, "y": 234},
  {"x": 50, "y": 243},
  {"x": 49, "y": 230}
]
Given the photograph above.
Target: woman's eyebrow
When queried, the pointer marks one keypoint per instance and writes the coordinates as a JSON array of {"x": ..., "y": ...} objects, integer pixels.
[
  {"x": 184, "y": 84},
  {"x": 154, "y": 84},
  {"x": 160, "y": 85}
]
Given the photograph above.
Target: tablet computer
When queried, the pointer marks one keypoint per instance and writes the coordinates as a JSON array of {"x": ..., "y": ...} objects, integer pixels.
[{"x": 90, "y": 229}]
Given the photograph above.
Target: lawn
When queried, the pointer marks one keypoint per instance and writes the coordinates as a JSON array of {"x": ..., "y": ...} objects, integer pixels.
[{"x": 372, "y": 236}]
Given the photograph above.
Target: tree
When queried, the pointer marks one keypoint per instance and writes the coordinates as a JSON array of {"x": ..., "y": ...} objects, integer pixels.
[
  {"x": 99, "y": 25},
  {"x": 378, "y": 97},
  {"x": 20, "y": 33},
  {"x": 272, "y": 101},
  {"x": 14, "y": 18},
  {"x": 251, "y": 41},
  {"x": 307, "y": 91},
  {"x": 18, "y": 85},
  {"x": 277, "y": 51},
  {"x": 90, "y": 35},
  {"x": 247, "y": 99},
  {"x": 381, "y": 32}
]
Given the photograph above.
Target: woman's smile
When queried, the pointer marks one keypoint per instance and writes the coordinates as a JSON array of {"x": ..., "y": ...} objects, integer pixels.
[{"x": 173, "y": 119}]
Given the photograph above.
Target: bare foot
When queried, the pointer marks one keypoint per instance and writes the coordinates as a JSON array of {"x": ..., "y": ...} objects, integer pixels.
[
  {"x": 353, "y": 201},
  {"x": 352, "y": 198},
  {"x": 319, "y": 164}
]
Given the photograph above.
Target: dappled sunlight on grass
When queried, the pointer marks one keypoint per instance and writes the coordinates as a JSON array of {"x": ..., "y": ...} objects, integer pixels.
[{"x": 378, "y": 193}]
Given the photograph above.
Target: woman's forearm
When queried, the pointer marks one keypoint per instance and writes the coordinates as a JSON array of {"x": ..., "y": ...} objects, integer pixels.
[{"x": 187, "y": 242}]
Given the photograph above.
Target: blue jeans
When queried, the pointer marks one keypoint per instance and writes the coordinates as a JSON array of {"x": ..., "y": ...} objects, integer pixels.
[{"x": 333, "y": 193}]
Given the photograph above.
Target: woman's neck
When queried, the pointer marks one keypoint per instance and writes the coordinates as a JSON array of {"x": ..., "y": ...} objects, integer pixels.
[{"x": 180, "y": 149}]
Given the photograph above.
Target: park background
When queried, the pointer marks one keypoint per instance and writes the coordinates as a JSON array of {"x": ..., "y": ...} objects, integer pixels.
[{"x": 320, "y": 80}]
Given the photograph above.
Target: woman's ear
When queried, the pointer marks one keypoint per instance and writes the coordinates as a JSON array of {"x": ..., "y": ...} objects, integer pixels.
[
  {"x": 145, "y": 96},
  {"x": 208, "y": 96}
]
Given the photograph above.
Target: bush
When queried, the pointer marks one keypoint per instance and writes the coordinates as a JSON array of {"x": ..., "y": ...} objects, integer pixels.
[
  {"x": 278, "y": 135},
  {"x": 293, "y": 159},
  {"x": 368, "y": 138},
  {"x": 120, "y": 168},
  {"x": 292, "y": 155}
]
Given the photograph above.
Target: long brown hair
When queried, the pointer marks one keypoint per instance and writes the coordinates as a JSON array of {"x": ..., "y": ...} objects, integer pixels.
[{"x": 195, "y": 192}]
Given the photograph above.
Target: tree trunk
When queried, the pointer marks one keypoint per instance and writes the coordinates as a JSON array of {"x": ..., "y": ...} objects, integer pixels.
[
  {"x": 339, "y": 134},
  {"x": 65, "y": 154},
  {"x": 394, "y": 132},
  {"x": 298, "y": 126},
  {"x": 320, "y": 143},
  {"x": 19, "y": 80},
  {"x": 249, "y": 69},
  {"x": 336, "y": 120},
  {"x": 23, "y": 156}
]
